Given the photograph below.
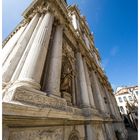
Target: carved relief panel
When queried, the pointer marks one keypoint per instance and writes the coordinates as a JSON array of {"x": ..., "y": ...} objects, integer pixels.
[{"x": 36, "y": 134}]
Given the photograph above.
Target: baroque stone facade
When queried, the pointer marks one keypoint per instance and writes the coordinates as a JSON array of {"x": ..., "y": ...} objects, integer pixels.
[{"x": 53, "y": 85}]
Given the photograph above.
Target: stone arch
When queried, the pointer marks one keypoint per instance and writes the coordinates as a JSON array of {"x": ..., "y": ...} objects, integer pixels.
[{"x": 74, "y": 135}]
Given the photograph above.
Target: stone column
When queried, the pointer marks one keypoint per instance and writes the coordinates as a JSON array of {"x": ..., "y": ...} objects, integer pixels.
[
  {"x": 96, "y": 89},
  {"x": 112, "y": 105},
  {"x": 33, "y": 66},
  {"x": 12, "y": 61},
  {"x": 82, "y": 81},
  {"x": 103, "y": 92},
  {"x": 9, "y": 46},
  {"x": 73, "y": 86},
  {"x": 54, "y": 67},
  {"x": 109, "y": 102},
  {"x": 90, "y": 94},
  {"x": 77, "y": 86},
  {"x": 25, "y": 54}
]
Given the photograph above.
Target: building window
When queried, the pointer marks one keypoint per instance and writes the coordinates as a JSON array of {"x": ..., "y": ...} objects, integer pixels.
[
  {"x": 122, "y": 109},
  {"x": 130, "y": 98},
  {"x": 120, "y": 99},
  {"x": 124, "y": 98},
  {"x": 137, "y": 92}
]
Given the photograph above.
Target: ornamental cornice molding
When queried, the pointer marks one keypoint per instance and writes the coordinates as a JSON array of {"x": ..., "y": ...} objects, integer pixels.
[{"x": 73, "y": 9}]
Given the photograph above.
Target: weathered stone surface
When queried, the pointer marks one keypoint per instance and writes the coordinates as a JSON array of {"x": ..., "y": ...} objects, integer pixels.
[{"x": 58, "y": 90}]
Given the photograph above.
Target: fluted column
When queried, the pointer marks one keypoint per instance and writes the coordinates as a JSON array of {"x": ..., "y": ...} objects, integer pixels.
[
  {"x": 25, "y": 54},
  {"x": 96, "y": 89},
  {"x": 90, "y": 94},
  {"x": 82, "y": 81},
  {"x": 13, "y": 59},
  {"x": 33, "y": 66},
  {"x": 54, "y": 68},
  {"x": 9, "y": 46}
]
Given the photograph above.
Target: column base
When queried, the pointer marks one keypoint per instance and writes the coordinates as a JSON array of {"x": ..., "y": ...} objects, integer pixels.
[
  {"x": 51, "y": 93},
  {"x": 28, "y": 83}
]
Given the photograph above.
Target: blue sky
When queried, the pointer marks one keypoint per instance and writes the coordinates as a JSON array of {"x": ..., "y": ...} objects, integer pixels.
[{"x": 114, "y": 24}]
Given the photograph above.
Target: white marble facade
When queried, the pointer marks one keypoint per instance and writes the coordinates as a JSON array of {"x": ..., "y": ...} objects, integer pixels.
[{"x": 53, "y": 86}]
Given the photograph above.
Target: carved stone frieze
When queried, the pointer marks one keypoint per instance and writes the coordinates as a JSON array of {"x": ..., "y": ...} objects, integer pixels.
[
  {"x": 46, "y": 133},
  {"x": 39, "y": 99}
]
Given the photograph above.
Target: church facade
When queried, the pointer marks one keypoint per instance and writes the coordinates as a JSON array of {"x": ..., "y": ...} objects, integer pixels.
[{"x": 53, "y": 85}]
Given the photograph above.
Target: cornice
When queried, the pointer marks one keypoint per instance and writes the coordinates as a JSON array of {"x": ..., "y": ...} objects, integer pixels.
[{"x": 83, "y": 23}]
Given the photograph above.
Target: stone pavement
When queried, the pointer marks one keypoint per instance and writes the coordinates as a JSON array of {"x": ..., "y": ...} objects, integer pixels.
[{"x": 132, "y": 134}]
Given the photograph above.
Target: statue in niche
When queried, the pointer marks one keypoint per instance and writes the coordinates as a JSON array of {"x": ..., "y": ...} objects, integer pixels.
[{"x": 66, "y": 80}]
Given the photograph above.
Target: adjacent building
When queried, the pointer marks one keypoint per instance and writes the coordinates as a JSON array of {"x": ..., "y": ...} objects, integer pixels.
[
  {"x": 53, "y": 85},
  {"x": 127, "y": 100}
]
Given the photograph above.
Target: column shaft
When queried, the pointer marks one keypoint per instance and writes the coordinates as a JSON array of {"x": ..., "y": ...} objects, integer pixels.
[
  {"x": 33, "y": 66},
  {"x": 90, "y": 94},
  {"x": 96, "y": 89},
  {"x": 73, "y": 91},
  {"x": 77, "y": 86},
  {"x": 12, "y": 61},
  {"x": 54, "y": 68},
  {"x": 109, "y": 102},
  {"x": 82, "y": 81},
  {"x": 103, "y": 94},
  {"x": 115, "y": 107},
  {"x": 25, "y": 54},
  {"x": 9, "y": 46}
]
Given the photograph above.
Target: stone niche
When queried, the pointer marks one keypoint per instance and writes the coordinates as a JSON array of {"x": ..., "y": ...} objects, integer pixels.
[{"x": 66, "y": 75}]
